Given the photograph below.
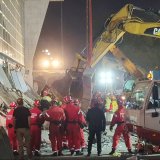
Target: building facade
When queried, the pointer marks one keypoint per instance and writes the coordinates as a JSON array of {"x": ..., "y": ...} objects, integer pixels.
[
  {"x": 12, "y": 31},
  {"x": 20, "y": 26}
]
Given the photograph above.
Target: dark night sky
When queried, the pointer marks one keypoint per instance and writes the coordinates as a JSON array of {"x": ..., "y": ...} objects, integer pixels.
[{"x": 74, "y": 23}]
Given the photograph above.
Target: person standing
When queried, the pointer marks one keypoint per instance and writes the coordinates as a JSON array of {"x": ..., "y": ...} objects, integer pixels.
[
  {"x": 73, "y": 121},
  {"x": 56, "y": 116},
  {"x": 22, "y": 127},
  {"x": 10, "y": 129},
  {"x": 119, "y": 119},
  {"x": 96, "y": 124},
  {"x": 82, "y": 125},
  {"x": 35, "y": 128}
]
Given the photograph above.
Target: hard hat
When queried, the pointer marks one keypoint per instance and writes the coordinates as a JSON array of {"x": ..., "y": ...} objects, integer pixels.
[
  {"x": 37, "y": 103},
  {"x": 58, "y": 103},
  {"x": 113, "y": 97},
  {"x": 67, "y": 99},
  {"x": 12, "y": 105}
]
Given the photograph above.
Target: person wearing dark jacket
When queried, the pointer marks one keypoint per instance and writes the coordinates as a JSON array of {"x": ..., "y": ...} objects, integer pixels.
[
  {"x": 21, "y": 122},
  {"x": 96, "y": 125}
]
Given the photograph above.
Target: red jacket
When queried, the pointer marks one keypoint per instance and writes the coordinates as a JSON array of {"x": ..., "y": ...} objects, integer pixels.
[
  {"x": 36, "y": 119},
  {"x": 73, "y": 113},
  {"x": 119, "y": 116},
  {"x": 9, "y": 118},
  {"x": 55, "y": 113}
]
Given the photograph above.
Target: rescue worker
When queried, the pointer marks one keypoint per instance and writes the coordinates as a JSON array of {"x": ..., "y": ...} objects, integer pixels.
[
  {"x": 83, "y": 143},
  {"x": 111, "y": 106},
  {"x": 45, "y": 102},
  {"x": 119, "y": 119},
  {"x": 56, "y": 116},
  {"x": 65, "y": 138},
  {"x": 73, "y": 122},
  {"x": 96, "y": 124},
  {"x": 114, "y": 105},
  {"x": 35, "y": 128},
  {"x": 107, "y": 103},
  {"x": 10, "y": 129}
]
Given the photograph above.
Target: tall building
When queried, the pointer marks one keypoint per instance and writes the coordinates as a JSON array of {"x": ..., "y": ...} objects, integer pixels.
[
  {"x": 12, "y": 31},
  {"x": 20, "y": 26}
]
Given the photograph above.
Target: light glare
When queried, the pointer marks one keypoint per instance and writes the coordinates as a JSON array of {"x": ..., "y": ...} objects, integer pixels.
[
  {"x": 55, "y": 63},
  {"x": 45, "y": 63}
]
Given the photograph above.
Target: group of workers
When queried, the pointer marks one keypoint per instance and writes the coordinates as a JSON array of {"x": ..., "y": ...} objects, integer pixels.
[
  {"x": 113, "y": 109},
  {"x": 66, "y": 125}
]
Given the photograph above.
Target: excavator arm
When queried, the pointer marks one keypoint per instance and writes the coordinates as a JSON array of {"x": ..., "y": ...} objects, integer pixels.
[
  {"x": 117, "y": 25},
  {"x": 126, "y": 63}
]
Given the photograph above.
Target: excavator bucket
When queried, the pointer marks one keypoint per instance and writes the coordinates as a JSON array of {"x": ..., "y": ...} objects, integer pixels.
[
  {"x": 5, "y": 148},
  {"x": 71, "y": 84},
  {"x": 76, "y": 86}
]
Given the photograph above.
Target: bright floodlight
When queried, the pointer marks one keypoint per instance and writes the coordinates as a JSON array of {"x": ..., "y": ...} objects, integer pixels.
[
  {"x": 102, "y": 81},
  {"x": 109, "y": 74},
  {"x": 105, "y": 77},
  {"x": 55, "y": 63},
  {"x": 102, "y": 74},
  {"x": 109, "y": 80},
  {"x": 45, "y": 63},
  {"x": 48, "y": 53},
  {"x": 109, "y": 77}
]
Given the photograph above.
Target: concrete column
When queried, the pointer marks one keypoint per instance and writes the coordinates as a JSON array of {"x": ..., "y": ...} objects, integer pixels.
[{"x": 34, "y": 13}]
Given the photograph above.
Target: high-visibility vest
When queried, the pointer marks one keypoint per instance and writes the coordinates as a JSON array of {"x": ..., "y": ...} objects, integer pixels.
[
  {"x": 108, "y": 102},
  {"x": 114, "y": 105}
]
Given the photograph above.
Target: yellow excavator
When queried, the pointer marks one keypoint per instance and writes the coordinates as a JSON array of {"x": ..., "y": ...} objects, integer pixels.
[
  {"x": 117, "y": 25},
  {"x": 79, "y": 79}
]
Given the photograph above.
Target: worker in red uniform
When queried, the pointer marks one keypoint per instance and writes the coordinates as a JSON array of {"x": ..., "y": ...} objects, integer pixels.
[
  {"x": 36, "y": 122},
  {"x": 83, "y": 124},
  {"x": 56, "y": 116},
  {"x": 10, "y": 128},
  {"x": 119, "y": 119},
  {"x": 73, "y": 121},
  {"x": 65, "y": 138}
]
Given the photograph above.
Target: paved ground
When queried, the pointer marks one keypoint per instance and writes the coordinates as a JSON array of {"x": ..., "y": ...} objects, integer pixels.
[
  {"x": 106, "y": 148},
  {"x": 103, "y": 157}
]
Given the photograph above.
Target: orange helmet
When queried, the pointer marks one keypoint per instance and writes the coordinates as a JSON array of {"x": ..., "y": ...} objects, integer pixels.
[
  {"x": 12, "y": 105},
  {"x": 37, "y": 103}
]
